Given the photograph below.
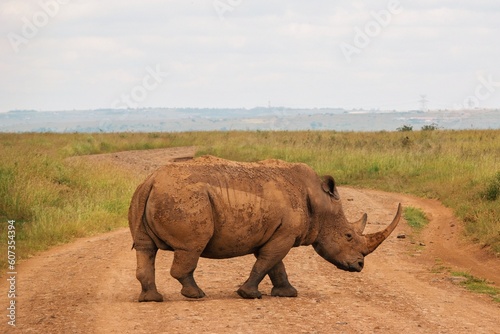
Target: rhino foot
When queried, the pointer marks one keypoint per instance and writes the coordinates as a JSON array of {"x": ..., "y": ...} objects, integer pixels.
[
  {"x": 150, "y": 296},
  {"x": 288, "y": 291},
  {"x": 192, "y": 292},
  {"x": 249, "y": 294}
]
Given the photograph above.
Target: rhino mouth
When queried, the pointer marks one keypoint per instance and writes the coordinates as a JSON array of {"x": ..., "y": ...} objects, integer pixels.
[{"x": 356, "y": 266}]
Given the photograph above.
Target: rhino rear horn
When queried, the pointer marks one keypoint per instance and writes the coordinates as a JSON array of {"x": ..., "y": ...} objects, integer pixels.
[
  {"x": 360, "y": 224},
  {"x": 373, "y": 240}
]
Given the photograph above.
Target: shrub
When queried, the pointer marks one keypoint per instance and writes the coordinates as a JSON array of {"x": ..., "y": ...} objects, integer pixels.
[
  {"x": 405, "y": 128},
  {"x": 430, "y": 127}
]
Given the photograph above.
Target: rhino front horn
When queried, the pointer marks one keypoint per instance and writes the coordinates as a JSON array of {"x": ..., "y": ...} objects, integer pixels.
[{"x": 373, "y": 240}]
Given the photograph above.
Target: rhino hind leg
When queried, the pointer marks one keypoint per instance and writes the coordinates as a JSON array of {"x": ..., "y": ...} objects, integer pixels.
[
  {"x": 182, "y": 269},
  {"x": 281, "y": 285},
  {"x": 146, "y": 275}
]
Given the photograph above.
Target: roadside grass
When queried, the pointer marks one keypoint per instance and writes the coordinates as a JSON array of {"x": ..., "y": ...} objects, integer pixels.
[
  {"x": 469, "y": 281},
  {"x": 415, "y": 218},
  {"x": 54, "y": 201},
  {"x": 478, "y": 285}
]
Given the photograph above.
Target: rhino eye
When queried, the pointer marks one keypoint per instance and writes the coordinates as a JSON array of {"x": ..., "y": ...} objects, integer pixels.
[{"x": 348, "y": 236}]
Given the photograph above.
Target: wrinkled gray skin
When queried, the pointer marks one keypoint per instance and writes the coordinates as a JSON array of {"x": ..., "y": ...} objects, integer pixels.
[{"x": 215, "y": 208}]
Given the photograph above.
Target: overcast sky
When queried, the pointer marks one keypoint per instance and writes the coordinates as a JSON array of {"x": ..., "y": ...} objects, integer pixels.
[{"x": 89, "y": 54}]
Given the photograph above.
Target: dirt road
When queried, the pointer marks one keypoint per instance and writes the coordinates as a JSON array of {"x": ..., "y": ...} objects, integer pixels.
[{"x": 89, "y": 286}]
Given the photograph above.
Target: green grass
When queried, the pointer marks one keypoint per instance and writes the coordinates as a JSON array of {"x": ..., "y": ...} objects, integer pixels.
[
  {"x": 478, "y": 285},
  {"x": 54, "y": 201},
  {"x": 415, "y": 218}
]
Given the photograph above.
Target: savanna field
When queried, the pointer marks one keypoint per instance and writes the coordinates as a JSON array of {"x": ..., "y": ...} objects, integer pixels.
[{"x": 54, "y": 199}]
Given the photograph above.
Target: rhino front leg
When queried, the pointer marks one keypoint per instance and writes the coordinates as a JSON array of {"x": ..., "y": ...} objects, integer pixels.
[
  {"x": 268, "y": 257},
  {"x": 146, "y": 275},
  {"x": 182, "y": 269},
  {"x": 281, "y": 285}
]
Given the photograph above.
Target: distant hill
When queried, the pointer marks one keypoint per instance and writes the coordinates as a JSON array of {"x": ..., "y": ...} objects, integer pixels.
[{"x": 260, "y": 118}]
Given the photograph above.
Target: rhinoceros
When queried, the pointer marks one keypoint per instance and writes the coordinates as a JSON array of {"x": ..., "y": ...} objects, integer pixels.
[{"x": 214, "y": 208}]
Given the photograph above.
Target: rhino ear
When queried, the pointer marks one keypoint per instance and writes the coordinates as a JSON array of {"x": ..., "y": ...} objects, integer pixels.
[{"x": 328, "y": 186}]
